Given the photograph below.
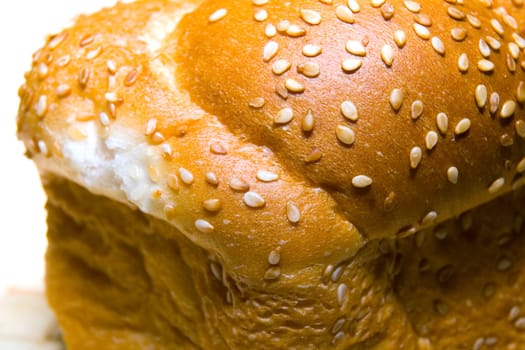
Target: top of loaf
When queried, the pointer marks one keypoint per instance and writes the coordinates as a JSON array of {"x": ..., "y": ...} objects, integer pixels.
[{"x": 280, "y": 135}]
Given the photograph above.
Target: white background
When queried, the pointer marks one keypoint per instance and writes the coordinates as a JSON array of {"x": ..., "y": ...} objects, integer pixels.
[{"x": 24, "y": 25}]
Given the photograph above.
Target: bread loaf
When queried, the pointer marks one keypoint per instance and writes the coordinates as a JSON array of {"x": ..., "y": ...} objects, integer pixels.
[{"x": 260, "y": 174}]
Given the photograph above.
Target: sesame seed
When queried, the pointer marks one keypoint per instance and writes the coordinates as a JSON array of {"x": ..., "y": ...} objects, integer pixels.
[
  {"x": 342, "y": 293},
  {"x": 489, "y": 290},
  {"x": 416, "y": 110},
  {"x": 157, "y": 138},
  {"x": 272, "y": 273},
  {"x": 514, "y": 313},
  {"x": 43, "y": 71},
  {"x": 295, "y": 31},
  {"x": 42, "y": 147},
  {"x": 344, "y": 14},
  {"x": 463, "y": 63},
  {"x": 186, "y": 176},
  {"x": 284, "y": 116},
  {"x": 349, "y": 110},
  {"x": 520, "y": 168},
  {"x": 506, "y": 140},
  {"x": 351, "y": 65},
  {"x": 453, "y": 174},
  {"x": 41, "y": 106},
  {"x": 400, "y": 38},
  {"x": 293, "y": 213},
  {"x": 361, "y": 181},
  {"x": 520, "y": 323},
  {"x": 355, "y": 47},
  {"x": 76, "y": 133},
  {"x": 307, "y": 124},
  {"x": 212, "y": 205},
  {"x": 504, "y": 264},
  {"x": 520, "y": 128},
  {"x": 496, "y": 185},
  {"x": 421, "y": 31},
  {"x": 514, "y": 50},
  {"x": 63, "y": 90},
  {"x": 377, "y": 3},
  {"x": 478, "y": 343},
  {"x": 438, "y": 45},
  {"x": 309, "y": 69},
  {"x": 511, "y": 21},
  {"x": 310, "y": 50},
  {"x": 511, "y": 63},
  {"x": 415, "y": 157},
  {"x": 274, "y": 257},
  {"x": 462, "y": 126},
  {"x": 270, "y": 50},
  {"x": 354, "y": 6},
  {"x": 337, "y": 273},
  {"x": 281, "y": 91},
  {"x": 396, "y": 99},
  {"x": 266, "y": 176},
  {"x": 131, "y": 77},
  {"x": 494, "y": 43},
  {"x": 445, "y": 273},
  {"x": 270, "y": 31},
  {"x": 485, "y": 66},
  {"x": 260, "y": 2},
  {"x": 484, "y": 48},
  {"x": 431, "y": 140},
  {"x": 507, "y": 109},
  {"x": 520, "y": 41},
  {"x": 260, "y": 15},
  {"x": 104, "y": 118},
  {"x": 280, "y": 66},
  {"x": 338, "y": 325},
  {"x": 497, "y": 26},
  {"x": 204, "y": 226},
  {"x": 112, "y": 97},
  {"x": 253, "y": 200},
  {"x": 217, "y": 148},
  {"x": 151, "y": 127},
  {"x": 91, "y": 54},
  {"x": 481, "y": 95},
  {"x": 112, "y": 66},
  {"x": 314, "y": 156},
  {"x": 86, "y": 40},
  {"x": 217, "y": 15},
  {"x": 311, "y": 17},
  {"x": 56, "y": 40},
  {"x": 294, "y": 86},
  {"x": 423, "y": 19},
  {"x": 387, "y": 11},
  {"x": 239, "y": 185},
  {"x": 257, "y": 103},
  {"x": 338, "y": 337},
  {"x": 494, "y": 102},
  {"x": 456, "y": 13},
  {"x": 458, "y": 34},
  {"x": 211, "y": 178},
  {"x": 345, "y": 134},
  {"x": 327, "y": 2},
  {"x": 412, "y": 6},
  {"x": 216, "y": 270},
  {"x": 474, "y": 21},
  {"x": 387, "y": 55}
]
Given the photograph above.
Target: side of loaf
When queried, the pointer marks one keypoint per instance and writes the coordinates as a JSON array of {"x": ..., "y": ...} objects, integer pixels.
[{"x": 289, "y": 175}]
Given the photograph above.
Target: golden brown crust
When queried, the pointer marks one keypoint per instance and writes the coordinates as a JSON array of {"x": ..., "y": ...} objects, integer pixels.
[
  {"x": 121, "y": 279},
  {"x": 226, "y": 74},
  {"x": 179, "y": 110}
]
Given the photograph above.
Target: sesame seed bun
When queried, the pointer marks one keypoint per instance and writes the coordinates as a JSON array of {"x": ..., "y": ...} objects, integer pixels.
[{"x": 274, "y": 153}]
